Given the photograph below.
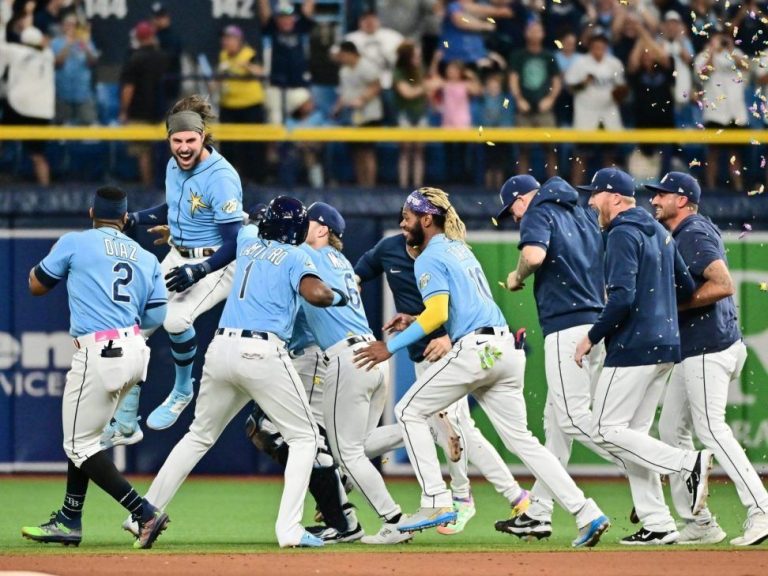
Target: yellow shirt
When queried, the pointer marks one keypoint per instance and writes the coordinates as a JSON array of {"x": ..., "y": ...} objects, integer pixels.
[{"x": 239, "y": 93}]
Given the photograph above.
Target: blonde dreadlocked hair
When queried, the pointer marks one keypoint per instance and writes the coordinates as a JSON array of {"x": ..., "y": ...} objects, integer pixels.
[{"x": 452, "y": 225}]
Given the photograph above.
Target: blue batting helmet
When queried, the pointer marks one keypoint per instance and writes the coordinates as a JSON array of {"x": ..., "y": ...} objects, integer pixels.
[{"x": 285, "y": 220}]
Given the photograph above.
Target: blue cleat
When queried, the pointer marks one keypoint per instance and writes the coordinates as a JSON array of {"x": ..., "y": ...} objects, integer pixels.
[
  {"x": 427, "y": 518},
  {"x": 165, "y": 415},
  {"x": 589, "y": 535},
  {"x": 309, "y": 541}
]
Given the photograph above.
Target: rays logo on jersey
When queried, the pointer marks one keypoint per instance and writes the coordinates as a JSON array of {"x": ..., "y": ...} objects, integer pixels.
[
  {"x": 196, "y": 203},
  {"x": 230, "y": 206},
  {"x": 424, "y": 280}
]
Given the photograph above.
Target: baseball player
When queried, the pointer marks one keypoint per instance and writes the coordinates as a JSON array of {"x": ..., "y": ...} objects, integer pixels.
[
  {"x": 713, "y": 355},
  {"x": 253, "y": 363},
  {"x": 203, "y": 210},
  {"x": 484, "y": 361},
  {"x": 394, "y": 258},
  {"x": 353, "y": 399},
  {"x": 562, "y": 248},
  {"x": 112, "y": 283},
  {"x": 643, "y": 270}
]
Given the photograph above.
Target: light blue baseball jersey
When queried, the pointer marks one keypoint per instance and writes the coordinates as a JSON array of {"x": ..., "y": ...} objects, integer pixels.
[
  {"x": 449, "y": 267},
  {"x": 265, "y": 290},
  {"x": 333, "y": 324},
  {"x": 200, "y": 199},
  {"x": 302, "y": 336},
  {"x": 110, "y": 279}
]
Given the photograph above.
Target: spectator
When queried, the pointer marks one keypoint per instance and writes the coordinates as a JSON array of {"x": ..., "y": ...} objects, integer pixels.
[
  {"x": 564, "y": 57},
  {"x": 722, "y": 98},
  {"x": 651, "y": 78},
  {"x": 323, "y": 68},
  {"x": 607, "y": 15},
  {"x": 748, "y": 20},
  {"x": 170, "y": 43},
  {"x": 405, "y": 16},
  {"x": 704, "y": 18},
  {"x": 379, "y": 46},
  {"x": 495, "y": 114},
  {"x": 626, "y": 37},
  {"x": 359, "y": 104},
  {"x": 47, "y": 17},
  {"x": 453, "y": 94},
  {"x": 560, "y": 16},
  {"x": 411, "y": 104},
  {"x": 597, "y": 81},
  {"x": 464, "y": 22},
  {"x": 302, "y": 113},
  {"x": 75, "y": 57},
  {"x": 242, "y": 99},
  {"x": 661, "y": 7},
  {"x": 676, "y": 44},
  {"x": 535, "y": 83},
  {"x": 142, "y": 95},
  {"x": 288, "y": 33},
  {"x": 30, "y": 91},
  {"x": 22, "y": 16},
  {"x": 510, "y": 29}
]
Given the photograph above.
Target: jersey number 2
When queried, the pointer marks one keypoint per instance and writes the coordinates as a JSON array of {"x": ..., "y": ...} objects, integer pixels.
[{"x": 119, "y": 268}]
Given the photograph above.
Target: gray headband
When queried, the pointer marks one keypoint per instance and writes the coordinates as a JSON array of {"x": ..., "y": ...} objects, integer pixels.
[{"x": 185, "y": 121}]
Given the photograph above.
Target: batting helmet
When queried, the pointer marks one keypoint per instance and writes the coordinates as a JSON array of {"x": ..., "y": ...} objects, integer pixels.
[{"x": 285, "y": 220}]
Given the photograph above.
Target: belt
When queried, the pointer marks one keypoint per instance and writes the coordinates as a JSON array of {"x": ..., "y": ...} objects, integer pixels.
[
  {"x": 235, "y": 333},
  {"x": 106, "y": 336},
  {"x": 492, "y": 331},
  {"x": 195, "y": 252},
  {"x": 346, "y": 343}
]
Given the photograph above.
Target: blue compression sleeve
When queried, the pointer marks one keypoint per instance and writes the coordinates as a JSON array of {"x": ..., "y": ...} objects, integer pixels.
[
  {"x": 228, "y": 250},
  {"x": 152, "y": 216},
  {"x": 410, "y": 335}
]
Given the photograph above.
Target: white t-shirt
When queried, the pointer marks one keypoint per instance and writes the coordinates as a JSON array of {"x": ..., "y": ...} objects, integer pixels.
[
  {"x": 380, "y": 48},
  {"x": 683, "y": 77},
  {"x": 353, "y": 82},
  {"x": 594, "y": 105},
  {"x": 723, "y": 90},
  {"x": 31, "y": 89}
]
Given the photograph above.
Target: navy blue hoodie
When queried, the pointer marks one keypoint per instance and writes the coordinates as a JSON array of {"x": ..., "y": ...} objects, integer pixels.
[
  {"x": 568, "y": 286},
  {"x": 645, "y": 276}
]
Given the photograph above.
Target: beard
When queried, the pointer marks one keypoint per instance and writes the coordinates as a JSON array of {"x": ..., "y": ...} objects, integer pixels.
[
  {"x": 415, "y": 236},
  {"x": 195, "y": 159}
]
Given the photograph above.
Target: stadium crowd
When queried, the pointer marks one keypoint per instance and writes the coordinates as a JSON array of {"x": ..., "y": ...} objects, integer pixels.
[{"x": 586, "y": 64}]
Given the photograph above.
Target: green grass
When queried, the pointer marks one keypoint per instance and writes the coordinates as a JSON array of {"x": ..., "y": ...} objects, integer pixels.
[{"x": 214, "y": 515}]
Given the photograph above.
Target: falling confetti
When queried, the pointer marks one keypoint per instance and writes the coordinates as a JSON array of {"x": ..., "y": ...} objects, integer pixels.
[
  {"x": 693, "y": 163},
  {"x": 489, "y": 143},
  {"x": 505, "y": 286},
  {"x": 505, "y": 104},
  {"x": 762, "y": 161},
  {"x": 494, "y": 221},
  {"x": 758, "y": 191},
  {"x": 763, "y": 286},
  {"x": 491, "y": 20},
  {"x": 747, "y": 228},
  {"x": 480, "y": 131},
  {"x": 733, "y": 160},
  {"x": 445, "y": 44},
  {"x": 559, "y": 44}
]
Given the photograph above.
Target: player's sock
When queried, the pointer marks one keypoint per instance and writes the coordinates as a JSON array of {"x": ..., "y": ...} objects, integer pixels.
[
  {"x": 102, "y": 471},
  {"x": 183, "y": 349},
  {"x": 77, "y": 485}
]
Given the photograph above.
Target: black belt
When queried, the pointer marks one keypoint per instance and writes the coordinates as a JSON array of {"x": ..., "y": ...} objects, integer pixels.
[
  {"x": 187, "y": 253},
  {"x": 488, "y": 331},
  {"x": 245, "y": 333},
  {"x": 351, "y": 341}
]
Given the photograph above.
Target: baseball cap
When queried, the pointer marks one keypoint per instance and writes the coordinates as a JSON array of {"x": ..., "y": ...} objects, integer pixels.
[
  {"x": 599, "y": 33},
  {"x": 158, "y": 9},
  {"x": 327, "y": 215},
  {"x": 672, "y": 15},
  {"x": 285, "y": 9},
  {"x": 611, "y": 180},
  {"x": 144, "y": 31},
  {"x": 233, "y": 30},
  {"x": 295, "y": 98},
  {"x": 678, "y": 183},
  {"x": 513, "y": 189}
]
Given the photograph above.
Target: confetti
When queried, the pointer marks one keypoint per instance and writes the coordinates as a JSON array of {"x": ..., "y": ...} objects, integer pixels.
[
  {"x": 559, "y": 44},
  {"x": 505, "y": 104},
  {"x": 502, "y": 285},
  {"x": 763, "y": 286},
  {"x": 762, "y": 161},
  {"x": 733, "y": 160},
  {"x": 480, "y": 131},
  {"x": 491, "y": 20},
  {"x": 758, "y": 191},
  {"x": 693, "y": 163},
  {"x": 489, "y": 143},
  {"x": 494, "y": 221},
  {"x": 445, "y": 44},
  {"x": 747, "y": 230}
]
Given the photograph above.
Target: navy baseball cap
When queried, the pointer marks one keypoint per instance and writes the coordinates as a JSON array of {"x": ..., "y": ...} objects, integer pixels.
[
  {"x": 327, "y": 215},
  {"x": 513, "y": 189},
  {"x": 611, "y": 180},
  {"x": 678, "y": 183}
]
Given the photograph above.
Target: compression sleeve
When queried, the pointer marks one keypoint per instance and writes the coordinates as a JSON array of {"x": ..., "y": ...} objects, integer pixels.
[
  {"x": 152, "y": 216},
  {"x": 435, "y": 315}
]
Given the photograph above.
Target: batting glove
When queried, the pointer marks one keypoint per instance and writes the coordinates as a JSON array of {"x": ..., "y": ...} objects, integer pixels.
[
  {"x": 181, "y": 278},
  {"x": 342, "y": 300}
]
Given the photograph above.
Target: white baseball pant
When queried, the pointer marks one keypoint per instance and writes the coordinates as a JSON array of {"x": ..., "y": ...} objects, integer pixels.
[
  {"x": 353, "y": 402},
  {"x": 310, "y": 367},
  {"x": 567, "y": 412},
  {"x": 236, "y": 371},
  {"x": 94, "y": 387},
  {"x": 696, "y": 400},
  {"x": 625, "y": 405},
  {"x": 499, "y": 390}
]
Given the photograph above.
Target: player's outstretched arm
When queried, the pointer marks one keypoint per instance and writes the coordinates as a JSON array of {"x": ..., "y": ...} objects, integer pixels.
[
  {"x": 149, "y": 217},
  {"x": 317, "y": 293}
]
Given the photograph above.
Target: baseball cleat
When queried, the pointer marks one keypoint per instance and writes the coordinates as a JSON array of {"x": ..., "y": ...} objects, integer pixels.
[
  {"x": 465, "y": 510},
  {"x": 130, "y": 525},
  {"x": 590, "y": 534},
  {"x": 151, "y": 529},
  {"x": 709, "y": 533},
  {"x": 165, "y": 415},
  {"x": 755, "y": 531},
  {"x": 330, "y": 535},
  {"x": 118, "y": 434},
  {"x": 55, "y": 531},
  {"x": 645, "y": 537},
  {"x": 525, "y": 527},
  {"x": 388, "y": 534},
  {"x": 697, "y": 481},
  {"x": 448, "y": 437},
  {"x": 427, "y": 518},
  {"x": 307, "y": 541}
]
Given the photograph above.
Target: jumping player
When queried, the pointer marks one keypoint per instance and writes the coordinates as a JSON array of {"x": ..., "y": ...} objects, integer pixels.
[
  {"x": 484, "y": 361},
  {"x": 203, "y": 210},
  {"x": 111, "y": 283}
]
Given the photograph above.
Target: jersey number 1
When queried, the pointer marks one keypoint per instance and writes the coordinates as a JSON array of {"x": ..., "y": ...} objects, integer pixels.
[{"x": 119, "y": 268}]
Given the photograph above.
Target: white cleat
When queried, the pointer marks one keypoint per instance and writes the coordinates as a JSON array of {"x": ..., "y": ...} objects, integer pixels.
[
  {"x": 387, "y": 535},
  {"x": 693, "y": 533},
  {"x": 755, "y": 531}
]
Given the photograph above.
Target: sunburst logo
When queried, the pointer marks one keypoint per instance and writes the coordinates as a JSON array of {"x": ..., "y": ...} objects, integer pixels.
[{"x": 196, "y": 202}]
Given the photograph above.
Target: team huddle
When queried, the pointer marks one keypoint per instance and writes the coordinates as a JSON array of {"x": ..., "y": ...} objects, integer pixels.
[{"x": 630, "y": 306}]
